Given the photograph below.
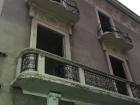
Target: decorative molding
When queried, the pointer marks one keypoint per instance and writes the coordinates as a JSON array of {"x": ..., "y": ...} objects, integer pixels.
[
  {"x": 66, "y": 38},
  {"x": 48, "y": 18},
  {"x": 29, "y": 62},
  {"x": 124, "y": 9}
]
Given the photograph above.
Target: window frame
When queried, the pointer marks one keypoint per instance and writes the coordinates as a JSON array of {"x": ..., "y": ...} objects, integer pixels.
[
  {"x": 1, "y": 6},
  {"x": 125, "y": 66},
  {"x": 108, "y": 52},
  {"x": 97, "y": 10},
  {"x": 66, "y": 39},
  {"x": 123, "y": 59}
]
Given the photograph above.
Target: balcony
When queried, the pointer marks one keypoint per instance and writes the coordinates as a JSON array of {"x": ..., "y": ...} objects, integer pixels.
[
  {"x": 41, "y": 72},
  {"x": 115, "y": 38},
  {"x": 64, "y": 10}
]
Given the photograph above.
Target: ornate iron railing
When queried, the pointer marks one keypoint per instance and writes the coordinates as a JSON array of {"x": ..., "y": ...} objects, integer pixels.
[
  {"x": 114, "y": 29},
  {"x": 58, "y": 67},
  {"x": 70, "y": 5},
  {"x": 29, "y": 61},
  {"x": 135, "y": 90},
  {"x": 94, "y": 79},
  {"x": 73, "y": 71}
]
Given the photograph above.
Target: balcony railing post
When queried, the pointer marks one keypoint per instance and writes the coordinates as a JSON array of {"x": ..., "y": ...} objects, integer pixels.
[
  {"x": 53, "y": 98},
  {"x": 129, "y": 90},
  {"x": 18, "y": 69},
  {"x": 82, "y": 76},
  {"x": 135, "y": 89},
  {"x": 41, "y": 64}
]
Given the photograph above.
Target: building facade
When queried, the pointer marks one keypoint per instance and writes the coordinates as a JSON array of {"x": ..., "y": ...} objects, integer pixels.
[{"x": 69, "y": 52}]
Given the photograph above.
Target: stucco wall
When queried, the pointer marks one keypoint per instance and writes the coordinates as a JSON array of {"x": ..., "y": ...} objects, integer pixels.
[
  {"x": 85, "y": 46},
  {"x": 133, "y": 54},
  {"x": 14, "y": 36},
  {"x": 126, "y": 24},
  {"x": 15, "y": 27},
  {"x": 21, "y": 99}
]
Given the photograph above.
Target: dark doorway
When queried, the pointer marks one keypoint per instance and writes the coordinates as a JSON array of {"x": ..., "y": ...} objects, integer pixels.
[
  {"x": 118, "y": 70},
  {"x": 105, "y": 22},
  {"x": 51, "y": 42}
]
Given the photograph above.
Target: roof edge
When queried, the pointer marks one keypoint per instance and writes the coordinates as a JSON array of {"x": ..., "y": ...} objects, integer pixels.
[{"x": 124, "y": 9}]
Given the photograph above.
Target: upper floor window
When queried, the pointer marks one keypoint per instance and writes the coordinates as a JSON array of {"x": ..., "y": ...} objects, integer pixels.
[
  {"x": 49, "y": 40},
  {"x": 119, "y": 70},
  {"x": 104, "y": 22},
  {"x": 52, "y": 42}
]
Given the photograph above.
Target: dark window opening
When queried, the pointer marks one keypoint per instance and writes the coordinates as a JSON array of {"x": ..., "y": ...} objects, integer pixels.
[
  {"x": 118, "y": 70},
  {"x": 57, "y": 0},
  {"x": 49, "y": 41},
  {"x": 52, "y": 42},
  {"x": 105, "y": 22},
  {"x": 65, "y": 103}
]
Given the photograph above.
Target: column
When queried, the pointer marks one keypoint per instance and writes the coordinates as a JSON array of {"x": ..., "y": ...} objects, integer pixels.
[
  {"x": 41, "y": 64},
  {"x": 82, "y": 76},
  {"x": 53, "y": 98}
]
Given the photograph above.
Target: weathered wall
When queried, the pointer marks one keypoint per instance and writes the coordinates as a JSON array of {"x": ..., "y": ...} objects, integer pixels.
[
  {"x": 126, "y": 24},
  {"x": 133, "y": 55},
  {"x": 15, "y": 27},
  {"x": 85, "y": 46},
  {"x": 21, "y": 99},
  {"x": 14, "y": 36}
]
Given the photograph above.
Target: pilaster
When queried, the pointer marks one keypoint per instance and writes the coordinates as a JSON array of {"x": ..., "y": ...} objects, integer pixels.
[{"x": 53, "y": 98}]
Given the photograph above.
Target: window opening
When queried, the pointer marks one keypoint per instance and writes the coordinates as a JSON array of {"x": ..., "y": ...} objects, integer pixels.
[
  {"x": 57, "y": 0},
  {"x": 52, "y": 42},
  {"x": 104, "y": 22},
  {"x": 118, "y": 70},
  {"x": 65, "y": 103}
]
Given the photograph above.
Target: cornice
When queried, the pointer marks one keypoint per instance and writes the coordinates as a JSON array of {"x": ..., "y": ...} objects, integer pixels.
[{"x": 124, "y": 9}]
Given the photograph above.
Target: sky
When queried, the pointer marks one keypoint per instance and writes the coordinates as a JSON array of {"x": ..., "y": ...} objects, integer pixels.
[{"x": 133, "y": 5}]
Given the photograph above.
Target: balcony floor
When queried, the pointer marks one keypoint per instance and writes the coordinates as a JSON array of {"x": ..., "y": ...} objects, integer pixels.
[
  {"x": 55, "y": 10},
  {"x": 42, "y": 84},
  {"x": 109, "y": 39}
]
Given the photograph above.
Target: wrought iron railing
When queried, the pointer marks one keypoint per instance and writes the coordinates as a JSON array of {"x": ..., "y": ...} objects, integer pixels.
[
  {"x": 114, "y": 29},
  {"x": 135, "y": 90},
  {"x": 73, "y": 71},
  {"x": 54, "y": 65},
  {"x": 29, "y": 61},
  {"x": 102, "y": 81},
  {"x": 70, "y": 5}
]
